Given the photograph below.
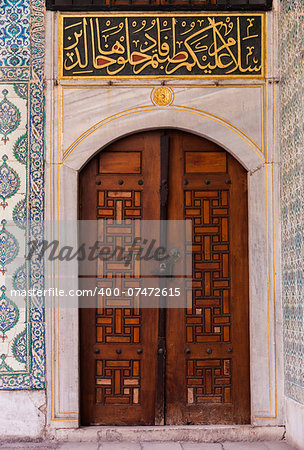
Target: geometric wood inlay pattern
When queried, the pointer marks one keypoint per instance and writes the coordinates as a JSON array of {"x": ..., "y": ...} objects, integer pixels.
[
  {"x": 209, "y": 381},
  {"x": 115, "y": 325},
  {"x": 118, "y": 325},
  {"x": 119, "y": 205},
  {"x": 208, "y": 315},
  {"x": 117, "y": 382}
]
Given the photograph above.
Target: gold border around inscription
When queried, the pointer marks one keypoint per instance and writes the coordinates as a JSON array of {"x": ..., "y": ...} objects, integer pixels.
[{"x": 162, "y": 77}]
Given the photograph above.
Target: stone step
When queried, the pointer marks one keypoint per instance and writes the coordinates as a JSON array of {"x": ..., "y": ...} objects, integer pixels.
[{"x": 190, "y": 433}]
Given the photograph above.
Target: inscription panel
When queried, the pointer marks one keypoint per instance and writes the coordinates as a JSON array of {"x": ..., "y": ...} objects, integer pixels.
[{"x": 164, "y": 45}]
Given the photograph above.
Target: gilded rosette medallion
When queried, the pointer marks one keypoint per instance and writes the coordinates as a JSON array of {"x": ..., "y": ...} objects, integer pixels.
[{"x": 162, "y": 96}]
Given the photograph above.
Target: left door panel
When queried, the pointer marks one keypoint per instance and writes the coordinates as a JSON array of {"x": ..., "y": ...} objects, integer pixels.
[{"x": 118, "y": 346}]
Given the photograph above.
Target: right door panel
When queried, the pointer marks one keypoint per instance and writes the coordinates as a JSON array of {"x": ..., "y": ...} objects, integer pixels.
[{"x": 207, "y": 366}]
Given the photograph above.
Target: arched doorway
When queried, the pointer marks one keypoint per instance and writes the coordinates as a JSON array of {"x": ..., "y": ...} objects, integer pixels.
[{"x": 201, "y": 376}]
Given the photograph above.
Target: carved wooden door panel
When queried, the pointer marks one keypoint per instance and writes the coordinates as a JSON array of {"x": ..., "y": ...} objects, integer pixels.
[
  {"x": 118, "y": 381},
  {"x": 208, "y": 343}
]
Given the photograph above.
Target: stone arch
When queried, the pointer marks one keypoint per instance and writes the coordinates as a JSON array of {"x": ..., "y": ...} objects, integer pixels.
[{"x": 192, "y": 121}]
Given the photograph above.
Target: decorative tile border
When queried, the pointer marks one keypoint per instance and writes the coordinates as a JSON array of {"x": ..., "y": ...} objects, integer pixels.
[{"x": 22, "y": 330}]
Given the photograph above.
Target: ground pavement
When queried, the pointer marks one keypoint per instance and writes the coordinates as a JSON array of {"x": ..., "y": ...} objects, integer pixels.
[{"x": 265, "y": 445}]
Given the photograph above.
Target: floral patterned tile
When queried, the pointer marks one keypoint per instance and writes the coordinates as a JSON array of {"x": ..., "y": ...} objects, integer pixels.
[
  {"x": 292, "y": 193},
  {"x": 22, "y": 357}
]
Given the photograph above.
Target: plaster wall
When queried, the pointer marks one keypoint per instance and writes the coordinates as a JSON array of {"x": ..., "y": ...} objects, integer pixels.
[
  {"x": 295, "y": 423},
  {"x": 22, "y": 414}
]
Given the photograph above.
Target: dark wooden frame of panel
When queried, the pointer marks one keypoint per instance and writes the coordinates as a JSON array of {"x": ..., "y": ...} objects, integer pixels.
[{"x": 222, "y": 5}]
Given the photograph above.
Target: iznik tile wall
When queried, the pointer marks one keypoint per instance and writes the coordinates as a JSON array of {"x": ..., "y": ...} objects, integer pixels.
[
  {"x": 291, "y": 41},
  {"x": 22, "y": 353}
]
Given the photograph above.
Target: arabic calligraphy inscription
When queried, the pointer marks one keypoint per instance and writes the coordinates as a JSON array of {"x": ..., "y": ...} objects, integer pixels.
[{"x": 164, "y": 46}]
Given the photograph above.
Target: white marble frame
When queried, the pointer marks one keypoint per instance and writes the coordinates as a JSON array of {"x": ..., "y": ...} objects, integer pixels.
[
  {"x": 261, "y": 276},
  {"x": 264, "y": 247}
]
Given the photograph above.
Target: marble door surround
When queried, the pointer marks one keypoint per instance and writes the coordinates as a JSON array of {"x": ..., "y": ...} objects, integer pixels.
[{"x": 83, "y": 117}]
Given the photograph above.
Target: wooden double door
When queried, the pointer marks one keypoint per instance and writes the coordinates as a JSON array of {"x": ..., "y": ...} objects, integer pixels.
[{"x": 191, "y": 366}]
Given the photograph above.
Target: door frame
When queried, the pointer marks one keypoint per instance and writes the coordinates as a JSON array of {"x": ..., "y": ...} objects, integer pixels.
[{"x": 264, "y": 271}]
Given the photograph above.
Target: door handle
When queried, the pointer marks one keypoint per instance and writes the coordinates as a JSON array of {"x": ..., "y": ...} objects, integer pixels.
[
  {"x": 96, "y": 350},
  {"x": 175, "y": 254},
  {"x": 163, "y": 268},
  {"x": 166, "y": 268}
]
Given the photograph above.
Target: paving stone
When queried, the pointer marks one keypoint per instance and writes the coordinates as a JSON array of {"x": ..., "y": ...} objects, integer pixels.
[
  {"x": 198, "y": 446},
  {"x": 275, "y": 445},
  {"x": 29, "y": 445},
  {"x": 244, "y": 446},
  {"x": 78, "y": 445},
  {"x": 280, "y": 445},
  {"x": 119, "y": 446},
  {"x": 161, "y": 446}
]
